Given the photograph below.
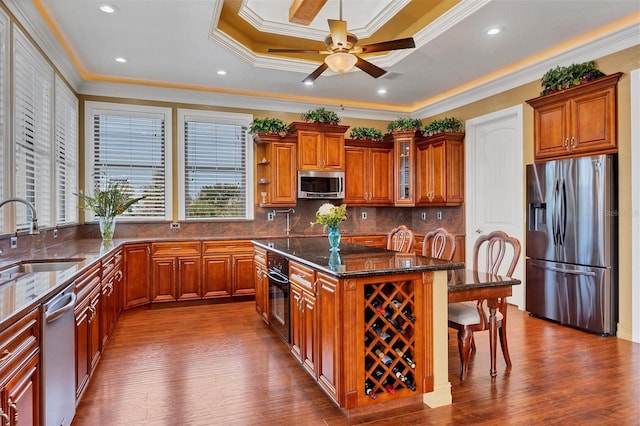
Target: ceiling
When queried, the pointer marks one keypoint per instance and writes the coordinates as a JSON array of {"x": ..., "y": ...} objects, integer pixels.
[{"x": 176, "y": 47}]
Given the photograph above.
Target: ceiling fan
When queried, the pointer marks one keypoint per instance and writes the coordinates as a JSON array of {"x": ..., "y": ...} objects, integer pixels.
[{"x": 342, "y": 51}]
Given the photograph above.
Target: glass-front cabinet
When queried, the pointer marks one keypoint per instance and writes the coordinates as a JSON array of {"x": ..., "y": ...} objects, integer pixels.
[{"x": 404, "y": 168}]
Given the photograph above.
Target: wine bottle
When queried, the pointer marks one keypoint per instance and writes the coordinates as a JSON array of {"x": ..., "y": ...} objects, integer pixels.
[
  {"x": 396, "y": 303},
  {"x": 407, "y": 313},
  {"x": 403, "y": 379},
  {"x": 377, "y": 373},
  {"x": 380, "y": 332},
  {"x": 390, "y": 389},
  {"x": 405, "y": 357},
  {"x": 368, "y": 389},
  {"x": 386, "y": 359}
]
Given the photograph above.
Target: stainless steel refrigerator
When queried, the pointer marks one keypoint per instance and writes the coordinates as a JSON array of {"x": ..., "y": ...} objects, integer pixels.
[{"x": 572, "y": 233}]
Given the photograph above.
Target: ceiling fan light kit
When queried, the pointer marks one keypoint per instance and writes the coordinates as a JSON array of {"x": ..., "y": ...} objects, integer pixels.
[{"x": 340, "y": 62}]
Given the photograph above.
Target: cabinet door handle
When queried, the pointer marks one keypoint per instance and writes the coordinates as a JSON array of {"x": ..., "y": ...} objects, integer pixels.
[
  {"x": 119, "y": 275},
  {"x": 572, "y": 141},
  {"x": 5, "y": 416},
  {"x": 5, "y": 355},
  {"x": 14, "y": 407},
  {"x": 566, "y": 142}
]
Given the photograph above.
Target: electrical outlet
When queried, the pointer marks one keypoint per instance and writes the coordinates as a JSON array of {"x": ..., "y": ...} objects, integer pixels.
[
  {"x": 364, "y": 215},
  {"x": 14, "y": 242},
  {"x": 175, "y": 225},
  {"x": 439, "y": 215},
  {"x": 270, "y": 215},
  {"x": 55, "y": 233},
  {"x": 423, "y": 215}
]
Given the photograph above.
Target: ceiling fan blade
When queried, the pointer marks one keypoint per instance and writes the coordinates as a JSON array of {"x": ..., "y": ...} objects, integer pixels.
[
  {"x": 402, "y": 43},
  {"x": 293, "y": 51},
  {"x": 371, "y": 69},
  {"x": 338, "y": 30},
  {"x": 316, "y": 73}
]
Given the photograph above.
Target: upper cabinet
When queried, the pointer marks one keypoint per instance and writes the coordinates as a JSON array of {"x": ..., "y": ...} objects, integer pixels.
[
  {"x": 320, "y": 146},
  {"x": 440, "y": 170},
  {"x": 404, "y": 167},
  {"x": 369, "y": 173},
  {"x": 577, "y": 121},
  {"x": 276, "y": 169}
]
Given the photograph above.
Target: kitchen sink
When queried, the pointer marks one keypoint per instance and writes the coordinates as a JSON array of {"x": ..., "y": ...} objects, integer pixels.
[{"x": 40, "y": 266}]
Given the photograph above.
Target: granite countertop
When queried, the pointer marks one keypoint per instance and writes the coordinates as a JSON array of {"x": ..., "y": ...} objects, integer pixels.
[{"x": 353, "y": 260}]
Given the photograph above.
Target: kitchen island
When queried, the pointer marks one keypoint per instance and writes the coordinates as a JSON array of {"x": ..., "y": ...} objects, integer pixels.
[{"x": 368, "y": 324}]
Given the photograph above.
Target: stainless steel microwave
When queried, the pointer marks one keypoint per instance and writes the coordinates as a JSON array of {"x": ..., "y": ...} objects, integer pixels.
[{"x": 314, "y": 184}]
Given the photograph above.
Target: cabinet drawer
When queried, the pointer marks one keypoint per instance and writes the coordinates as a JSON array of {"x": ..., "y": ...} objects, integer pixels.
[
  {"x": 175, "y": 248},
  {"x": 217, "y": 247},
  {"x": 109, "y": 264},
  {"x": 19, "y": 341},
  {"x": 86, "y": 283},
  {"x": 260, "y": 256},
  {"x": 302, "y": 276},
  {"x": 371, "y": 240}
]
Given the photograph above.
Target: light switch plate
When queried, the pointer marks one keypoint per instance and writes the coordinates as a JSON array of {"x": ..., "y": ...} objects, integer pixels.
[
  {"x": 439, "y": 215},
  {"x": 364, "y": 215}
]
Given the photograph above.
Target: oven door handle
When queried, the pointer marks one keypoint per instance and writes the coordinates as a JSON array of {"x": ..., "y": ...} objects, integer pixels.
[{"x": 278, "y": 277}]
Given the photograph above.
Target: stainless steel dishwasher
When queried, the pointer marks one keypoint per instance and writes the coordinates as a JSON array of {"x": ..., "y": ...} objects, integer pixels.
[{"x": 58, "y": 359}]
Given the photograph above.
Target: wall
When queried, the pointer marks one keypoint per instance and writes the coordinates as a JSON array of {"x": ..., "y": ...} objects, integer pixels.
[{"x": 623, "y": 61}]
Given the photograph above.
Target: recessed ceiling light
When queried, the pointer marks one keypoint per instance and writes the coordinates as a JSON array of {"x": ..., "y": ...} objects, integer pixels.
[
  {"x": 382, "y": 91},
  {"x": 493, "y": 30},
  {"x": 107, "y": 8},
  {"x": 121, "y": 60},
  {"x": 308, "y": 83},
  {"x": 222, "y": 72}
]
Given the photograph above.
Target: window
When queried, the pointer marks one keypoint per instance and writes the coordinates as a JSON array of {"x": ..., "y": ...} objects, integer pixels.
[
  {"x": 4, "y": 110},
  {"x": 216, "y": 178},
  {"x": 131, "y": 144},
  {"x": 66, "y": 154},
  {"x": 32, "y": 115}
]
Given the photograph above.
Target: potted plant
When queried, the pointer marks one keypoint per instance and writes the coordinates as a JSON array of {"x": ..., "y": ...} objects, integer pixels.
[
  {"x": 269, "y": 126},
  {"x": 107, "y": 203},
  {"x": 560, "y": 78},
  {"x": 447, "y": 124},
  {"x": 366, "y": 133},
  {"x": 320, "y": 115},
  {"x": 404, "y": 124}
]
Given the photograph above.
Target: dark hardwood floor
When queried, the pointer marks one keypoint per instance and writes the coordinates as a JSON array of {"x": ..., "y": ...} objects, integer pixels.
[{"x": 221, "y": 365}]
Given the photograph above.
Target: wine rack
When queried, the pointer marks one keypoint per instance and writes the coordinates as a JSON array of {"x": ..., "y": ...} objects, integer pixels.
[{"x": 390, "y": 341}]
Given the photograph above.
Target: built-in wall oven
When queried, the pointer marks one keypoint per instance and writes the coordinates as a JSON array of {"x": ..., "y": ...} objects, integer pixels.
[{"x": 278, "y": 274}]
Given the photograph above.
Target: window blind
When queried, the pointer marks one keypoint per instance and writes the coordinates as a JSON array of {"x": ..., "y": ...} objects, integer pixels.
[
  {"x": 32, "y": 115},
  {"x": 4, "y": 128},
  {"x": 215, "y": 170},
  {"x": 130, "y": 148},
  {"x": 66, "y": 153}
]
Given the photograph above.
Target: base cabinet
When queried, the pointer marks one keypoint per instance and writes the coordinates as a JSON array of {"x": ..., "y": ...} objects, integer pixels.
[
  {"x": 262, "y": 283},
  {"x": 176, "y": 270},
  {"x": 228, "y": 269},
  {"x": 112, "y": 279},
  {"x": 304, "y": 329},
  {"x": 20, "y": 371},
  {"x": 137, "y": 267}
]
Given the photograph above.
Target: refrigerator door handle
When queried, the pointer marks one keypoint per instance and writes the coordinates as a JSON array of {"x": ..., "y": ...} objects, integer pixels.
[
  {"x": 555, "y": 223},
  {"x": 562, "y": 228},
  {"x": 565, "y": 271}
]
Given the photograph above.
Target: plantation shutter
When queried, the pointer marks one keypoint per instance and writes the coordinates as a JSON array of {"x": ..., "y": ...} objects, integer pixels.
[
  {"x": 66, "y": 154},
  {"x": 215, "y": 167},
  {"x": 32, "y": 88},
  {"x": 130, "y": 148}
]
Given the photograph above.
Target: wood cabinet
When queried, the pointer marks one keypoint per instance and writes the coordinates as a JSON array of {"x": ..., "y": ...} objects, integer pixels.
[
  {"x": 379, "y": 241},
  {"x": 368, "y": 173},
  {"x": 228, "y": 268},
  {"x": 262, "y": 283},
  {"x": 320, "y": 146},
  {"x": 176, "y": 271},
  {"x": 111, "y": 284},
  {"x": 578, "y": 121},
  {"x": 404, "y": 167},
  {"x": 303, "y": 316},
  {"x": 137, "y": 271},
  {"x": 440, "y": 170},
  {"x": 330, "y": 332},
  {"x": 20, "y": 371},
  {"x": 88, "y": 341},
  {"x": 276, "y": 170}
]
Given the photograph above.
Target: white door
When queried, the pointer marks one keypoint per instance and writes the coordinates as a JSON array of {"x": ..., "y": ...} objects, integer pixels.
[{"x": 494, "y": 183}]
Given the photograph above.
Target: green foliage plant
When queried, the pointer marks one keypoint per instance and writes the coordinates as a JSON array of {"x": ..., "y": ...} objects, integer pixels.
[
  {"x": 320, "y": 115},
  {"x": 447, "y": 124},
  {"x": 273, "y": 126},
  {"x": 560, "y": 78},
  {"x": 366, "y": 133},
  {"x": 111, "y": 201},
  {"x": 404, "y": 124}
]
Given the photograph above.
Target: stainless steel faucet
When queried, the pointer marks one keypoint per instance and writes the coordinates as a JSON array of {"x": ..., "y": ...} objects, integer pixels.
[
  {"x": 287, "y": 228},
  {"x": 34, "y": 217}
]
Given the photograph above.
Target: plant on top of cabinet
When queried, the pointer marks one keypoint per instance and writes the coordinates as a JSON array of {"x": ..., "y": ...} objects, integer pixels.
[
  {"x": 366, "y": 133},
  {"x": 404, "y": 124},
  {"x": 447, "y": 124},
  {"x": 269, "y": 126},
  {"x": 320, "y": 115},
  {"x": 560, "y": 78}
]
